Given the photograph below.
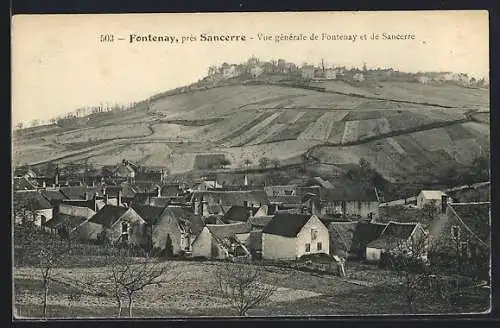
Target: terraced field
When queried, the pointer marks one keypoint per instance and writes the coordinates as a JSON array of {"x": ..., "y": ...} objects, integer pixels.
[{"x": 388, "y": 124}]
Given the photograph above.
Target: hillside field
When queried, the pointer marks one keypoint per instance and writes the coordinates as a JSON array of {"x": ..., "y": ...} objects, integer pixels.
[{"x": 410, "y": 127}]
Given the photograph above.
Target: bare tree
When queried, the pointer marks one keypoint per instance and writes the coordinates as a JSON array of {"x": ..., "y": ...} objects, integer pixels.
[
  {"x": 241, "y": 285},
  {"x": 247, "y": 162},
  {"x": 126, "y": 277},
  {"x": 409, "y": 259},
  {"x": 50, "y": 257},
  {"x": 276, "y": 163},
  {"x": 19, "y": 126}
]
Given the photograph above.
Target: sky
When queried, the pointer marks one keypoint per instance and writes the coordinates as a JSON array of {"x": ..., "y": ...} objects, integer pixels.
[{"x": 58, "y": 63}]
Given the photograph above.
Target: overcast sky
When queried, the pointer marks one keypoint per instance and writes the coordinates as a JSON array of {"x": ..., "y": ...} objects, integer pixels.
[{"x": 59, "y": 63}]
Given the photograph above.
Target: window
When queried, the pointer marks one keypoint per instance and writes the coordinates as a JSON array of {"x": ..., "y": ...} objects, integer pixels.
[
  {"x": 124, "y": 237},
  {"x": 308, "y": 248},
  {"x": 464, "y": 248},
  {"x": 314, "y": 234},
  {"x": 124, "y": 227},
  {"x": 319, "y": 246},
  {"x": 455, "y": 232},
  {"x": 43, "y": 220},
  {"x": 288, "y": 192}
]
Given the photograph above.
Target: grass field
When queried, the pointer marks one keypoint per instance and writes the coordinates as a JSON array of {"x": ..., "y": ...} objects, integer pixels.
[{"x": 192, "y": 292}]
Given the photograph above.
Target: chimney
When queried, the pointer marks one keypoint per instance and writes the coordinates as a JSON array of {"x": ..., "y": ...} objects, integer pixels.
[
  {"x": 250, "y": 213},
  {"x": 56, "y": 178},
  {"x": 196, "y": 207},
  {"x": 105, "y": 199},
  {"x": 444, "y": 203},
  {"x": 119, "y": 200},
  {"x": 245, "y": 203},
  {"x": 104, "y": 191},
  {"x": 159, "y": 191},
  {"x": 313, "y": 207},
  {"x": 246, "y": 180},
  {"x": 161, "y": 175},
  {"x": 43, "y": 184},
  {"x": 204, "y": 208}
]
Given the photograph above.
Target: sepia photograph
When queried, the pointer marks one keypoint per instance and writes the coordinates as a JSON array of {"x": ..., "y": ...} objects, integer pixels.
[{"x": 238, "y": 165}]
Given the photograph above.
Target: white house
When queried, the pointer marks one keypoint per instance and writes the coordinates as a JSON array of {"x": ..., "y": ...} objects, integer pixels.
[
  {"x": 222, "y": 241},
  {"x": 256, "y": 71},
  {"x": 433, "y": 197},
  {"x": 330, "y": 74},
  {"x": 289, "y": 236},
  {"x": 358, "y": 77}
]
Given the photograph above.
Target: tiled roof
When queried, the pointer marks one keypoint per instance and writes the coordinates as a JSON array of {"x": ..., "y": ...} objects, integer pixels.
[
  {"x": 52, "y": 195},
  {"x": 476, "y": 217},
  {"x": 229, "y": 198},
  {"x": 260, "y": 221},
  {"x": 150, "y": 214},
  {"x": 108, "y": 215},
  {"x": 170, "y": 190},
  {"x": 78, "y": 192},
  {"x": 222, "y": 231},
  {"x": 32, "y": 199},
  {"x": 285, "y": 224},
  {"x": 238, "y": 213},
  {"x": 365, "y": 233},
  {"x": 181, "y": 214},
  {"x": 91, "y": 203},
  {"x": 398, "y": 230},
  {"x": 341, "y": 236},
  {"x": 64, "y": 219}
]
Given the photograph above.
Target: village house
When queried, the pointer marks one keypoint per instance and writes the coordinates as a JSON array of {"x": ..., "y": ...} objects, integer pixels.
[
  {"x": 289, "y": 236},
  {"x": 115, "y": 224},
  {"x": 238, "y": 213},
  {"x": 222, "y": 241},
  {"x": 173, "y": 228},
  {"x": 126, "y": 170},
  {"x": 464, "y": 228},
  {"x": 256, "y": 71},
  {"x": 64, "y": 224},
  {"x": 307, "y": 72},
  {"x": 430, "y": 197},
  {"x": 226, "y": 199},
  {"x": 344, "y": 201},
  {"x": 398, "y": 237},
  {"x": 358, "y": 77},
  {"x": 348, "y": 239},
  {"x": 230, "y": 71},
  {"x": 35, "y": 206}
]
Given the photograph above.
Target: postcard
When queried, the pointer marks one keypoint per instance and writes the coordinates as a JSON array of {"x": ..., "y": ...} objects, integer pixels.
[{"x": 284, "y": 164}]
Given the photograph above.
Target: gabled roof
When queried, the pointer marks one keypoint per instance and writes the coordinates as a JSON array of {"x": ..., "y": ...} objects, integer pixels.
[
  {"x": 432, "y": 194},
  {"x": 53, "y": 195},
  {"x": 32, "y": 199},
  {"x": 78, "y": 192},
  {"x": 341, "y": 236},
  {"x": 69, "y": 221},
  {"x": 238, "y": 213},
  {"x": 365, "y": 233},
  {"x": 229, "y": 198},
  {"x": 476, "y": 217},
  {"x": 22, "y": 183},
  {"x": 181, "y": 214},
  {"x": 285, "y": 224},
  {"x": 170, "y": 190},
  {"x": 150, "y": 214},
  {"x": 285, "y": 199},
  {"x": 347, "y": 193},
  {"x": 222, "y": 231},
  {"x": 260, "y": 221},
  {"x": 108, "y": 215},
  {"x": 399, "y": 230},
  {"x": 91, "y": 203}
]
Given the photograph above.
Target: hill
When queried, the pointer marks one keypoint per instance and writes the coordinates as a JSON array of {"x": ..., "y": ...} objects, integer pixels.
[{"x": 402, "y": 129}]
